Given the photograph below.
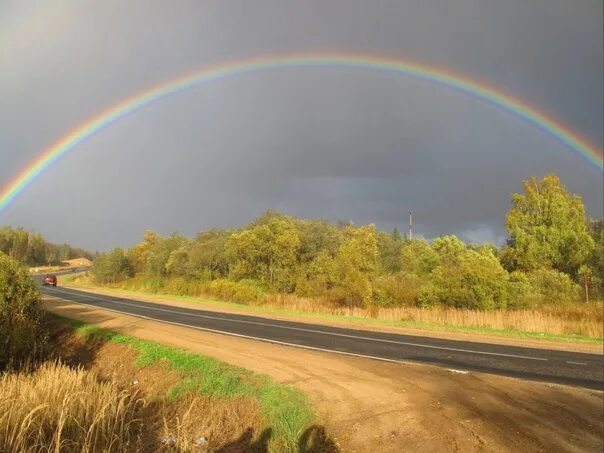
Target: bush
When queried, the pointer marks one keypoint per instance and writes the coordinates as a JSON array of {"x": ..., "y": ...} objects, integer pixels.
[
  {"x": 552, "y": 287},
  {"x": 112, "y": 267},
  {"x": 520, "y": 291},
  {"x": 22, "y": 336},
  {"x": 243, "y": 291},
  {"x": 397, "y": 290},
  {"x": 473, "y": 280}
]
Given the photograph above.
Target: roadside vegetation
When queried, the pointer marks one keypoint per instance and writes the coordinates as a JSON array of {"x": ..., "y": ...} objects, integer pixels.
[
  {"x": 22, "y": 336},
  {"x": 546, "y": 278},
  {"x": 68, "y": 386}
]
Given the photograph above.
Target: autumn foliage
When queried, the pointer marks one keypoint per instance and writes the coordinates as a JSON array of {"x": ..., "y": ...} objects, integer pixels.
[{"x": 551, "y": 253}]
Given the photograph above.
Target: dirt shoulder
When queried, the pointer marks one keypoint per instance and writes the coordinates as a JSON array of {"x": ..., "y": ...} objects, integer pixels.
[
  {"x": 377, "y": 406},
  {"x": 319, "y": 320}
]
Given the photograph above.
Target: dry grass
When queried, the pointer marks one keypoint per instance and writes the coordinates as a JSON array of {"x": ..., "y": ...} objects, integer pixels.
[
  {"x": 584, "y": 319},
  {"x": 218, "y": 421},
  {"x": 57, "y": 408}
]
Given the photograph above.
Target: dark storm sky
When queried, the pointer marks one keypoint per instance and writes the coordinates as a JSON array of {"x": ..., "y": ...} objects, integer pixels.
[{"x": 331, "y": 143}]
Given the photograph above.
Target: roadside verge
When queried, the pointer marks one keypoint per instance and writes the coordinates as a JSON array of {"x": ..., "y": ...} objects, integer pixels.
[{"x": 370, "y": 405}]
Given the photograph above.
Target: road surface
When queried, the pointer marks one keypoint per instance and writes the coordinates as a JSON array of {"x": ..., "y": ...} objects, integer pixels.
[{"x": 574, "y": 368}]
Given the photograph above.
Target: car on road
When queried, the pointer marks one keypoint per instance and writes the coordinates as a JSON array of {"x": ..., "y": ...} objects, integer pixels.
[{"x": 50, "y": 280}]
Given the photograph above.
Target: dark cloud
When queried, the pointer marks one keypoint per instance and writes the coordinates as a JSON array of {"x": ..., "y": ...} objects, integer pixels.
[{"x": 332, "y": 143}]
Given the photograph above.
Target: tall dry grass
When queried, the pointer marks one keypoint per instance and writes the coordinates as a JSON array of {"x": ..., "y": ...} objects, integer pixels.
[
  {"x": 60, "y": 409},
  {"x": 577, "y": 319}
]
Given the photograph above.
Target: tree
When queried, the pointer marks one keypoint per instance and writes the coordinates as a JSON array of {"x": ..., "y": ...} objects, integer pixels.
[
  {"x": 547, "y": 228},
  {"x": 449, "y": 248},
  {"x": 586, "y": 276},
  {"x": 317, "y": 236},
  {"x": 356, "y": 264},
  {"x": 417, "y": 257},
  {"x": 159, "y": 251},
  {"x": 267, "y": 252},
  {"x": 206, "y": 255},
  {"x": 390, "y": 246},
  {"x": 318, "y": 277}
]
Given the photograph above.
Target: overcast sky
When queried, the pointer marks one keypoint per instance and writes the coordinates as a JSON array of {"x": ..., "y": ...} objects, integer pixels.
[{"x": 332, "y": 143}]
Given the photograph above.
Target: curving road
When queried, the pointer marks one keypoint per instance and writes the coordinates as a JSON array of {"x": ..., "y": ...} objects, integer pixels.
[{"x": 580, "y": 369}]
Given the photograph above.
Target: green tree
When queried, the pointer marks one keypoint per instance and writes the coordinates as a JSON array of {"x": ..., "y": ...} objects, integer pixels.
[
  {"x": 267, "y": 252},
  {"x": 159, "y": 251},
  {"x": 207, "y": 257},
  {"x": 390, "y": 246},
  {"x": 417, "y": 257},
  {"x": 317, "y": 236},
  {"x": 317, "y": 278},
  {"x": 547, "y": 228},
  {"x": 356, "y": 264},
  {"x": 449, "y": 248},
  {"x": 19, "y": 245}
]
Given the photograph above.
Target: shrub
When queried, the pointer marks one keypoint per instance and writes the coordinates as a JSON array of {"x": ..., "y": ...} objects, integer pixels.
[
  {"x": 473, "y": 280},
  {"x": 520, "y": 291},
  {"x": 112, "y": 267},
  {"x": 22, "y": 336},
  {"x": 397, "y": 290},
  {"x": 554, "y": 287},
  {"x": 243, "y": 291}
]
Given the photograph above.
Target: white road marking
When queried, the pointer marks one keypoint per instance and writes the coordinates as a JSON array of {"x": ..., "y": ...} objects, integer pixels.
[
  {"x": 458, "y": 371},
  {"x": 576, "y": 363},
  {"x": 419, "y": 345}
]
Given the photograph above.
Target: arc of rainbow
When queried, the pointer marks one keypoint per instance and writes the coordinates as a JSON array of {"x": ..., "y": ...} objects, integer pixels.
[{"x": 407, "y": 68}]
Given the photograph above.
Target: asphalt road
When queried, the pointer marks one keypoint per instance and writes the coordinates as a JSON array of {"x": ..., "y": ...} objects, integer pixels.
[{"x": 580, "y": 369}]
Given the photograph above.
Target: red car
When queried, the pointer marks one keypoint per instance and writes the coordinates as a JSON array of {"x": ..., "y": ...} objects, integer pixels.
[{"x": 50, "y": 280}]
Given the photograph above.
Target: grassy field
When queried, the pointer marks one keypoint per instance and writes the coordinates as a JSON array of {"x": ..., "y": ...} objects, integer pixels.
[
  {"x": 55, "y": 407},
  {"x": 582, "y": 323}
]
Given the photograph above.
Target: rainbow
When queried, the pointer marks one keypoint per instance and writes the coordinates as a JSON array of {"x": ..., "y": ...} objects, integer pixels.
[{"x": 461, "y": 83}]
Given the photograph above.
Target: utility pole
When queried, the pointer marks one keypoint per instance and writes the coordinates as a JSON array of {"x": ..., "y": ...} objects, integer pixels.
[{"x": 410, "y": 226}]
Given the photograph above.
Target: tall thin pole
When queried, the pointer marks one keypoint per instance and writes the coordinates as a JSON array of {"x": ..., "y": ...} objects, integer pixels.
[{"x": 410, "y": 226}]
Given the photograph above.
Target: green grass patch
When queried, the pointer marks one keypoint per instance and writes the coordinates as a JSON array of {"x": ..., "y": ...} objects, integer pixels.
[
  {"x": 355, "y": 320},
  {"x": 285, "y": 409}
]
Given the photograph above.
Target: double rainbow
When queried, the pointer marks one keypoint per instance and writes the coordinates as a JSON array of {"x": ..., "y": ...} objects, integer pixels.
[{"x": 461, "y": 83}]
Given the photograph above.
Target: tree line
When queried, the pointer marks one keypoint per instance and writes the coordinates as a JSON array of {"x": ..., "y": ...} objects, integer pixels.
[
  {"x": 32, "y": 249},
  {"x": 553, "y": 255}
]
